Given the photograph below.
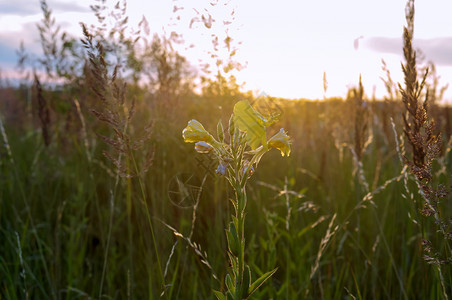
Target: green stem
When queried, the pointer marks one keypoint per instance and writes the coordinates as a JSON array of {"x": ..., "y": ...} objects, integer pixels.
[
  {"x": 240, "y": 214},
  {"x": 160, "y": 273}
]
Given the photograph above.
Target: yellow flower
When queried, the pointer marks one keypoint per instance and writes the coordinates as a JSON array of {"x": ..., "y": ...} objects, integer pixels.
[
  {"x": 280, "y": 141},
  {"x": 195, "y": 132},
  {"x": 248, "y": 120}
]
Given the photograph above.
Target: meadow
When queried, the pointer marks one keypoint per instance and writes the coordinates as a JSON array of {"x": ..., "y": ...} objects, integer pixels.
[{"x": 101, "y": 198}]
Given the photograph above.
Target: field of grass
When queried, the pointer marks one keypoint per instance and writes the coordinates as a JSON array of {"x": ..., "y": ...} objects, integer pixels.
[{"x": 97, "y": 202}]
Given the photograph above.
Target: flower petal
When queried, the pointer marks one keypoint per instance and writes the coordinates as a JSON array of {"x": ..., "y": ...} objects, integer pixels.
[
  {"x": 250, "y": 121},
  {"x": 280, "y": 141}
]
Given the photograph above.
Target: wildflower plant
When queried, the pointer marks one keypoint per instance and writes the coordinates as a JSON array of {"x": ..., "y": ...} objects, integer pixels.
[{"x": 237, "y": 160}]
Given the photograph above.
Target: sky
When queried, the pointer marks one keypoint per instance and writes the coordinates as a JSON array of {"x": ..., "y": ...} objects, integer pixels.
[{"x": 285, "y": 46}]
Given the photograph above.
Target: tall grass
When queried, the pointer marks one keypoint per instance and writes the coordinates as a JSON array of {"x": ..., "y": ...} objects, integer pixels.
[{"x": 426, "y": 148}]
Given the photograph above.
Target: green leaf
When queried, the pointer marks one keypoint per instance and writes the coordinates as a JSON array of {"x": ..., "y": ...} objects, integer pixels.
[
  {"x": 229, "y": 296},
  {"x": 235, "y": 138},
  {"x": 232, "y": 243},
  {"x": 233, "y": 261},
  {"x": 236, "y": 221},
  {"x": 231, "y": 129},
  {"x": 229, "y": 284},
  {"x": 233, "y": 240},
  {"x": 260, "y": 281},
  {"x": 220, "y": 132},
  {"x": 219, "y": 295},
  {"x": 234, "y": 202},
  {"x": 246, "y": 281}
]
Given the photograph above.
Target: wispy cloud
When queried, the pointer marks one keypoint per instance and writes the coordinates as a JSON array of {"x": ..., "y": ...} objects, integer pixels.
[{"x": 438, "y": 50}]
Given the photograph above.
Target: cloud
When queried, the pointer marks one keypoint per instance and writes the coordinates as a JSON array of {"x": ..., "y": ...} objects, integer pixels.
[
  {"x": 67, "y": 7},
  {"x": 21, "y": 8},
  {"x": 10, "y": 42},
  {"x": 24, "y": 8},
  {"x": 385, "y": 45},
  {"x": 19, "y": 18},
  {"x": 28, "y": 33},
  {"x": 437, "y": 50}
]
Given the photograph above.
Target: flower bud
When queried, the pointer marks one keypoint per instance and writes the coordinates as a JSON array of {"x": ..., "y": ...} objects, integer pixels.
[
  {"x": 222, "y": 167},
  {"x": 247, "y": 169},
  {"x": 203, "y": 147},
  {"x": 195, "y": 132}
]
